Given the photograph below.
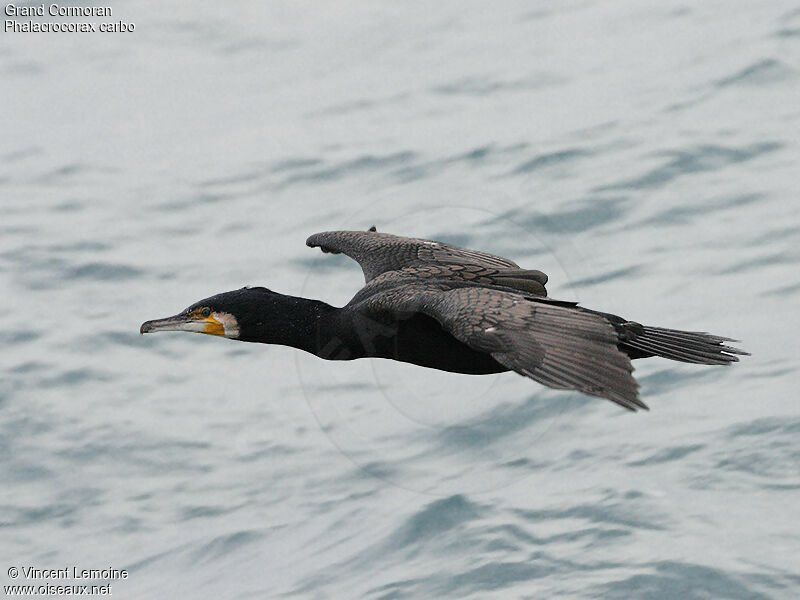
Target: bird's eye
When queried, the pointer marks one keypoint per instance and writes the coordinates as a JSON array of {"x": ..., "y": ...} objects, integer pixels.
[{"x": 206, "y": 312}]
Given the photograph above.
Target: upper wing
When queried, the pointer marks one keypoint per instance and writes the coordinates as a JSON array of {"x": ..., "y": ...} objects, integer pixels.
[
  {"x": 561, "y": 347},
  {"x": 378, "y": 253}
]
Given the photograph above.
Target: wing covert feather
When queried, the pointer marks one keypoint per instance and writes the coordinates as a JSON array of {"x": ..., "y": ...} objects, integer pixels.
[
  {"x": 379, "y": 253},
  {"x": 561, "y": 347}
]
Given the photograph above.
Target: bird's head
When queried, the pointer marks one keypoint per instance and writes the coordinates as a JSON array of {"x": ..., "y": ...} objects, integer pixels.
[{"x": 228, "y": 314}]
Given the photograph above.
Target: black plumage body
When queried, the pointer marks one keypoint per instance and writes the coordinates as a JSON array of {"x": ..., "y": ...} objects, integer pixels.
[{"x": 349, "y": 333}]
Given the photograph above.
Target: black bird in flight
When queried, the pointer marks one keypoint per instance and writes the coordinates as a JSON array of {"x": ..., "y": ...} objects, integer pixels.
[{"x": 437, "y": 305}]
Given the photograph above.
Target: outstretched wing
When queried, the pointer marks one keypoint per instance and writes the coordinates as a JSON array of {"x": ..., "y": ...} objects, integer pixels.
[
  {"x": 379, "y": 253},
  {"x": 560, "y": 347}
]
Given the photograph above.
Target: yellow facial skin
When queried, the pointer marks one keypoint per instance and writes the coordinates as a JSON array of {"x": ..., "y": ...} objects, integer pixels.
[{"x": 213, "y": 326}]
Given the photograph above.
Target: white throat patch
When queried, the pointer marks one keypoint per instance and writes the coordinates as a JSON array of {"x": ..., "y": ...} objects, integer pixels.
[{"x": 229, "y": 324}]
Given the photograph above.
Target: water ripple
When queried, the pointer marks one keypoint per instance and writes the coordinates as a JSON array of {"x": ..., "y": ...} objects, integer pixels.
[
  {"x": 758, "y": 74},
  {"x": 589, "y": 214},
  {"x": 698, "y": 160},
  {"x": 550, "y": 159},
  {"x": 688, "y": 581},
  {"x": 436, "y": 519}
]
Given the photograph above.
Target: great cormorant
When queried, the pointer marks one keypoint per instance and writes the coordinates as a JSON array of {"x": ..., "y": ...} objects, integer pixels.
[{"x": 449, "y": 308}]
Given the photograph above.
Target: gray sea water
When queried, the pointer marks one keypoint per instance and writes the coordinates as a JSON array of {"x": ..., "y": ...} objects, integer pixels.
[{"x": 644, "y": 155}]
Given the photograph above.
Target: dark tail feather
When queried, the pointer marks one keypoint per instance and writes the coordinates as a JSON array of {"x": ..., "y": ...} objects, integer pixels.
[{"x": 685, "y": 346}]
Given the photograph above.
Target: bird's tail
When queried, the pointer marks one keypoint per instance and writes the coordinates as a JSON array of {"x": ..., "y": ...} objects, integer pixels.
[{"x": 685, "y": 346}]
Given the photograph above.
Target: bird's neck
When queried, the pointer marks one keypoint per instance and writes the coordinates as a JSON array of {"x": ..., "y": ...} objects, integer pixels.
[{"x": 309, "y": 325}]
